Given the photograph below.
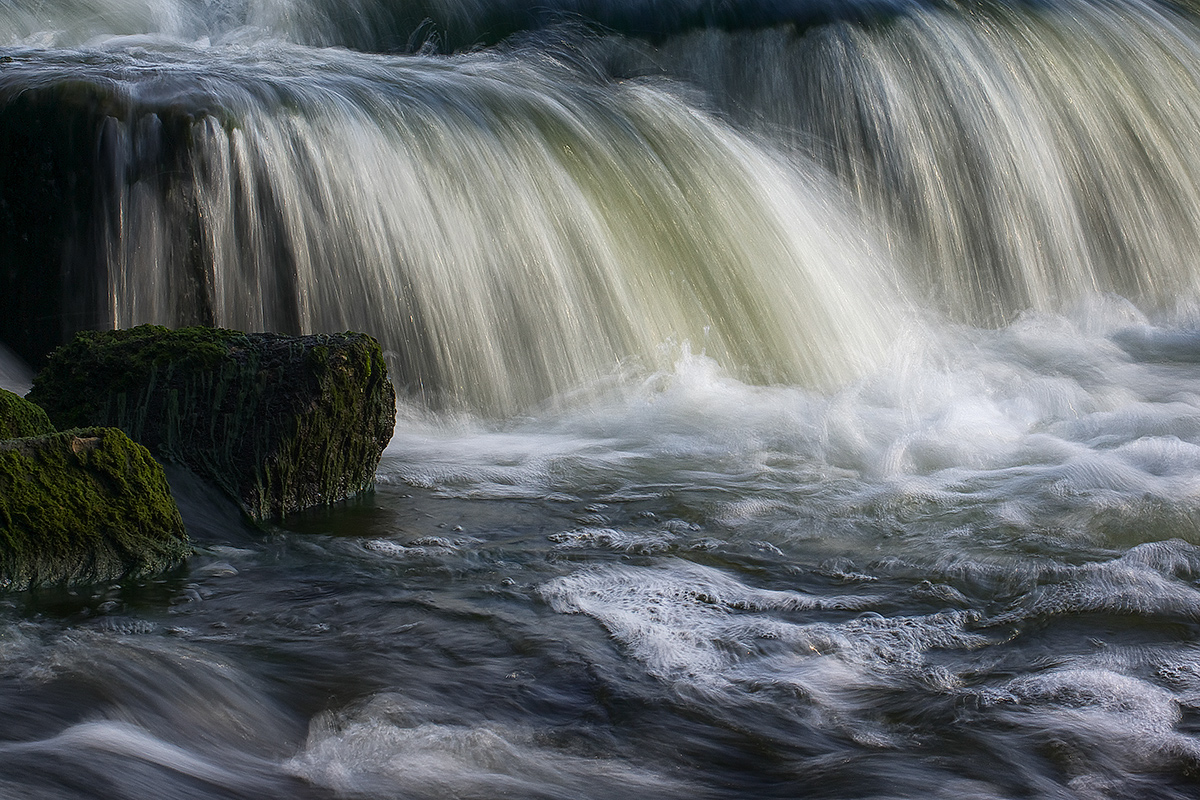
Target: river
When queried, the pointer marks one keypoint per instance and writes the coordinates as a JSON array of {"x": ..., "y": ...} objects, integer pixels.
[{"x": 797, "y": 399}]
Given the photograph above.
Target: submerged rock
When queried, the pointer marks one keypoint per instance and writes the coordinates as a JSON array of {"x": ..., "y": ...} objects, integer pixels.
[
  {"x": 19, "y": 417},
  {"x": 281, "y": 423},
  {"x": 84, "y": 506}
]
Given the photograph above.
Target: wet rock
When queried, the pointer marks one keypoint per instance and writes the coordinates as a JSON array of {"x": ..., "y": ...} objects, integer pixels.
[
  {"x": 19, "y": 417},
  {"x": 69, "y": 160},
  {"x": 81, "y": 507},
  {"x": 281, "y": 423}
]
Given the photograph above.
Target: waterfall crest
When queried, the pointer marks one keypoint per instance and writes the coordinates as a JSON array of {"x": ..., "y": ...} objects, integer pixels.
[
  {"x": 510, "y": 234},
  {"x": 522, "y": 221}
]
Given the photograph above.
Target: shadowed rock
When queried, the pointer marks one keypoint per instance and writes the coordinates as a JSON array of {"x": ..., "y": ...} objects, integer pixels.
[
  {"x": 281, "y": 423},
  {"x": 19, "y": 417}
]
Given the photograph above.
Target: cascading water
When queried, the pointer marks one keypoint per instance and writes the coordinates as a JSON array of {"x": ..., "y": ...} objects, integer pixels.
[
  {"x": 1025, "y": 156},
  {"x": 800, "y": 399},
  {"x": 509, "y": 233}
]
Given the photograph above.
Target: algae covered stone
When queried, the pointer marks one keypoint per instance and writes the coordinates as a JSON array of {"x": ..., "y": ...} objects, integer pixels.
[
  {"x": 281, "y": 423},
  {"x": 84, "y": 506},
  {"x": 19, "y": 417}
]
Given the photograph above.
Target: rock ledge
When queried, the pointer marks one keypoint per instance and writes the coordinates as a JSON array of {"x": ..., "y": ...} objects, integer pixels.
[{"x": 281, "y": 423}]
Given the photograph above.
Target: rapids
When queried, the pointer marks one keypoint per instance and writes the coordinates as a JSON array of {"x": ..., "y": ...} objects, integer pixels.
[{"x": 798, "y": 399}]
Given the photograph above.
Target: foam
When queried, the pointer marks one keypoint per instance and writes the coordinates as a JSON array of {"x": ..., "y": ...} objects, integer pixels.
[
  {"x": 1145, "y": 581},
  {"x": 696, "y": 624},
  {"x": 385, "y": 749},
  {"x": 1045, "y": 428},
  {"x": 614, "y": 539},
  {"x": 1106, "y": 720}
]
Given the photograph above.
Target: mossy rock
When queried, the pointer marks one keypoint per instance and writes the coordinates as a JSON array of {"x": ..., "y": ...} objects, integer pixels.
[
  {"x": 84, "y": 506},
  {"x": 281, "y": 423},
  {"x": 19, "y": 417}
]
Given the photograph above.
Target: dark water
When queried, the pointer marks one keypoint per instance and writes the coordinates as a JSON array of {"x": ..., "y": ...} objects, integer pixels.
[{"x": 800, "y": 400}]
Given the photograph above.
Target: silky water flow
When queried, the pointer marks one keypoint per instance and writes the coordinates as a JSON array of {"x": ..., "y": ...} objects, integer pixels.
[{"x": 797, "y": 399}]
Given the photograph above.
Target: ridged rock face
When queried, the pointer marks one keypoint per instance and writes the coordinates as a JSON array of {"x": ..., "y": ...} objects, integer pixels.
[
  {"x": 281, "y": 423},
  {"x": 81, "y": 507},
  {"x": 19, "y": 417}
]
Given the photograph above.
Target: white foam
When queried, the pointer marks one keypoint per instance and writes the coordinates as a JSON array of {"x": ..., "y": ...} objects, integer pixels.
[
  {"x": 614, "y": 539},
  {"x": 1106, "y": 720},
  {"x": 696, "y": 624},
  {"x": 1145, "y": 581},
  {"x": 1044, "y": 427},
  {"x": 385, "y": 750}
]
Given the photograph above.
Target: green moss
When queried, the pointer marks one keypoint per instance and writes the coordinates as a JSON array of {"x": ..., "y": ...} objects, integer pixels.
[
  {"x": 19, "y": 417},
  {"x": 84, "y": 506},
  {"x": 282, "y": 423},
  {"x": 97, "y": 368}
]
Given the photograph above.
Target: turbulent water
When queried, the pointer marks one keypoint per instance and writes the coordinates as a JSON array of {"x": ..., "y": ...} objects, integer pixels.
[{"x": 798, "y": 399}]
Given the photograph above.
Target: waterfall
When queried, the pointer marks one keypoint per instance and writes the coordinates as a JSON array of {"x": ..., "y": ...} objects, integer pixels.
[
  {"x": 1025, "y": 154},
  {"x": 522, "y": 222},
  {"x": 511, "y": 233},
  {"x": 798, "y": 398}
]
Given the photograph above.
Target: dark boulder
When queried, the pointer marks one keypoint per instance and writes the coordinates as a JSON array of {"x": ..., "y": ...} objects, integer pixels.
[
  {"x": 281, "y": 423},
  {"x": 19, "y": 417},
  {"x": 81, "y": 507},
  {"x": 70, "y": 163}
]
